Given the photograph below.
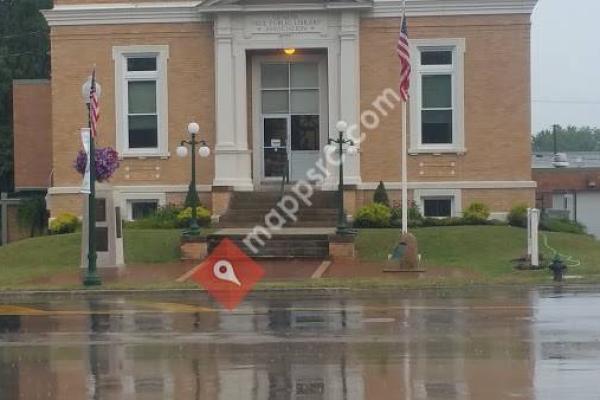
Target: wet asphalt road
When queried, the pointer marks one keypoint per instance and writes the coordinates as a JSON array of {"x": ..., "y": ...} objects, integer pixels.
[{"x": 478, "y": 344}]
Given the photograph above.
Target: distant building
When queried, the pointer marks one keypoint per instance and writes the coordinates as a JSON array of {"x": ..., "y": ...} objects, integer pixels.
[
  {"x": 222, "y": 63},
  {"x": 574, "y": 190}
]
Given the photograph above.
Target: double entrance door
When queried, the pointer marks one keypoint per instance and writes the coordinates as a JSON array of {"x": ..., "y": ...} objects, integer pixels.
[{"x": 292, "y": 123}]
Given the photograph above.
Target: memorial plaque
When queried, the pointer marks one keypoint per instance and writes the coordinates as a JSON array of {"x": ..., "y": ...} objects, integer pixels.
[
  {"x": 102, "y": 239},
  {"x": 119, "y": 222},
  {"x": 100, "y": 210}
]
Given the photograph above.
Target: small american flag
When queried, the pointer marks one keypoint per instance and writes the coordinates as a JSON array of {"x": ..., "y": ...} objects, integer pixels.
[
  {"x": 403, "y": 51},
  {"x": 94, "y": 107}
]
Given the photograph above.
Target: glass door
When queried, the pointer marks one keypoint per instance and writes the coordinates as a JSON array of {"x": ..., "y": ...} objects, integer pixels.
[
  {"x": 290, "y": 116},
  {"x": 275, "y": 146}
]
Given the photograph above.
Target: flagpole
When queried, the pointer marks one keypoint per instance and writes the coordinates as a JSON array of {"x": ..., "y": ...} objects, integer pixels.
[{"x": 404, "y": 173}]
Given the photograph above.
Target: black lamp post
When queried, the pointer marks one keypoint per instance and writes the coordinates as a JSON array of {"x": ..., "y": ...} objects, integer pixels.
[
  {"x": 182, "y": 151},
  {"x": 342, "y": 223},
  {"x": 91, "y": 277}
]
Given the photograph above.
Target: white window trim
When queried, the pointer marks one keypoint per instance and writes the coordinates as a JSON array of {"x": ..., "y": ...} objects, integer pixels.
[
  {"x": 458, "y": 47},
  {"x": 128, "y": 198},
  {"x": 421, "y": 194},
  {"x": 120, "y": 54}
]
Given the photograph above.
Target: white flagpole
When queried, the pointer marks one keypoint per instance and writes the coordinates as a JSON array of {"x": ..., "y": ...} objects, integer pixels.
[{"x": 404, "y": 173}]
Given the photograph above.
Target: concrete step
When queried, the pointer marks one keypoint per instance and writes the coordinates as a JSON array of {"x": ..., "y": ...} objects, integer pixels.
[
  {"x": 255, "y": 200},
  {"x": 281, "y": 245}
]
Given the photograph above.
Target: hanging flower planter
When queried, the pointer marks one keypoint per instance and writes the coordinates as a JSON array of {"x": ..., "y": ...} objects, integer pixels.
[{"x": 107, "y": 162}]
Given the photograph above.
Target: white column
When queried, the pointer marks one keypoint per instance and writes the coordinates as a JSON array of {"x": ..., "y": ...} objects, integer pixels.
[
  {"x": 349, "y": 79},
  {"x": 232, "y": 156}
]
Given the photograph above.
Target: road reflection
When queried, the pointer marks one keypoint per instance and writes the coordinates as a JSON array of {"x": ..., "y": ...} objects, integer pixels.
[{"x": 422, "y": 345}]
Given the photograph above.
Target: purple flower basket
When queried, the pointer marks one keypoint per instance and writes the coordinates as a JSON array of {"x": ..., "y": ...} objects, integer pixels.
[{"x": 107, "y": 162}]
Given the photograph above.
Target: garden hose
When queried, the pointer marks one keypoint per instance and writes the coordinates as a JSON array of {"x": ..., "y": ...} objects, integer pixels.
[{"x": 569, "y": 261}]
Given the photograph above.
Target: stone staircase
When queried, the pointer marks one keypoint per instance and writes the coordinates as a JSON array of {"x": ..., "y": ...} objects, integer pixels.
[
  {"x": 308, "y": 237},
  {"x": 248, "y": 209},
  {"x": 287, "y": 243}
]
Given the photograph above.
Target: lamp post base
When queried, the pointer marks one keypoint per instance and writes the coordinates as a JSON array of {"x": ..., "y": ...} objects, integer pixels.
[
  {"x": 344, "y": 230},
  {"x": 92, "y": 279}
]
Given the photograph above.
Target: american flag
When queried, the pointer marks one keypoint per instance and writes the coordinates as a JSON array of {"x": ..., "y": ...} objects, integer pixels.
[
  {"x": 94, "y": 107},
  {"x": 403, "y": 51}
]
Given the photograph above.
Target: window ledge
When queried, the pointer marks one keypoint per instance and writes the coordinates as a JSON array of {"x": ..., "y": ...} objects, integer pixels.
[
  {"x": 144, "y": 156},
  {"x": 443, "y": 150}
]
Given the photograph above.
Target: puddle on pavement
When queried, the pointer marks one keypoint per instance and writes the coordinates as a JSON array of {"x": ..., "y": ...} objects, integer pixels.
[{"x": 422, "y": 345}]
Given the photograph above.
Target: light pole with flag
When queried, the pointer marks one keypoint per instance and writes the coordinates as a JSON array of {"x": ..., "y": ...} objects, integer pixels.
[{"x": 91, "y": 95}]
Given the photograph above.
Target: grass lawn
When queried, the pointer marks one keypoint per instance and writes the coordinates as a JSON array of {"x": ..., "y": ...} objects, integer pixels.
[
  {"x": 43, "y": 256},
  {"x": 485, "y": 251}
]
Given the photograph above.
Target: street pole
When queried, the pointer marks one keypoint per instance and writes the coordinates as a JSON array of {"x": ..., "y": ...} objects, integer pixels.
[
  {"x": 192, "y": 195},
  {"x": 342, "y": 223},
  {"x": 554, "y": 132},
  {"x": 342, "y": 226},
  {"x": 91, "y": 276},
  {"x": 194, "y": 228}
]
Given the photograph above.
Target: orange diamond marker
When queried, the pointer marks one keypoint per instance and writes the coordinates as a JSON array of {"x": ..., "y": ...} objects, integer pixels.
[{"x": 228, "y": 274}]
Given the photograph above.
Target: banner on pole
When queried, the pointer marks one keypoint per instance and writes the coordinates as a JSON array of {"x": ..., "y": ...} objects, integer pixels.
[{"x": 85, "y": 141}]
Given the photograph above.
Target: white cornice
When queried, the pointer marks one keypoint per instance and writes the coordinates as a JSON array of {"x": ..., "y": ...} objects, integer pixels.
[
  {"x": 124, "y": 13},
  {"x": 195, "y": 11},
  {"x": 393, "y": 8},
  {"x": 454, "y": 185}
]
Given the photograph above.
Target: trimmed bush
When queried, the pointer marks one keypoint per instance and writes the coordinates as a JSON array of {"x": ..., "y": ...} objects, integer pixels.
[
  {"x": 414, "y": 216},
  {"x": 476, "y": 213},
  {"x": 64, "y": 223},
  {"x": 381, "y": 196},
  {"x": 518, "y": 216},
  {"x": 184, "y": 217},
  {"x": 562, "y": 225},
  {"x": 163, "y": 218},
  {"x": 374, "y": 215},
  {"x": 454, "y": 221}
]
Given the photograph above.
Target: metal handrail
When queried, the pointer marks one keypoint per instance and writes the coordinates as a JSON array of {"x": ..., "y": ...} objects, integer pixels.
[{"x": 285, "y": 178}]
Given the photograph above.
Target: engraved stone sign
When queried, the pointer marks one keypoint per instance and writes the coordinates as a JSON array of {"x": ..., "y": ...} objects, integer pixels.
[{"x": 280, "y": 23}]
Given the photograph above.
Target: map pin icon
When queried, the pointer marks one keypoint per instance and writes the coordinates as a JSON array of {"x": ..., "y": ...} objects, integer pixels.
[{"x": 224, "y": 271}]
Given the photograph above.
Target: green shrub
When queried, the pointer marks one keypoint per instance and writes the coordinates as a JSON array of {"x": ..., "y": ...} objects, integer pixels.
[
  {"x": 453, "y": 221},
  {"x": 32, "y": 214},
  {"x": 163, "y": 218},
  {"x": 414, "y": 216},
  {"x": 476, "y": 213},
  {"x": 64, "y": 223},
  {"x": 374, "y": 215},
  {"x": 184, "y": 217},
  {"x": 381, "y": 196},
  {"x": 562, "y": 225},
  {"x": 518, "y": 216}
]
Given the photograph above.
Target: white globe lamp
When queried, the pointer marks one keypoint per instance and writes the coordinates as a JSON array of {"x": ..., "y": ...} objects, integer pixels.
[
  {"x": 182, "y": 151},
  {"x": 204, "y": 151},
  {"x": 193, "y": 128}
]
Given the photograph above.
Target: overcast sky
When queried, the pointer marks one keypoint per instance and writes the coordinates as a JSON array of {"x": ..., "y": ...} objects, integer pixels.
[{"x": 566, "y": 63}]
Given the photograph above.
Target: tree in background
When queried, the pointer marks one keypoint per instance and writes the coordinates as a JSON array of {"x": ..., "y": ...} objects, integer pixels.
[
  {"x": 24, "y": 54},
  {"x": 569, "y": 139}
]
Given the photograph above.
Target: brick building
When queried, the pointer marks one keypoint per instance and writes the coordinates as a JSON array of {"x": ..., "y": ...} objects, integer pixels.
[
  {"x": 222, "y": 64},
  {"x": 573, "y": 190}
]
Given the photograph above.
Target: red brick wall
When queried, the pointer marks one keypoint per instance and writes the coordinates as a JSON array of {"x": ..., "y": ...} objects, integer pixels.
[
  {"x": 32, "y": 116},
  {"x": 550, "y": 180}
]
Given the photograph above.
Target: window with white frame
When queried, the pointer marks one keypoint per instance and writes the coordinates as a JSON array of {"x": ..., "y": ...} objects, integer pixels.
[
  {"x": 141, "y": 99},
  {"x": 439, "y": 203},
  {"x": 437, "y": 100},
  {"x": 438, "y": 206},
  {"x": 139, "y": 209}
]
